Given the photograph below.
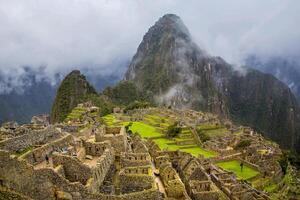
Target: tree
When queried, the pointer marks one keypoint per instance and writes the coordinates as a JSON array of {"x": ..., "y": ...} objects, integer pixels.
[
  {"x": 136, "y": 105},
  {"x": 127, "y": 127},
  {"x": 173, "y": 130},
  {"x": 243, "y": 144},
  {"x": 202, "y": 135}
]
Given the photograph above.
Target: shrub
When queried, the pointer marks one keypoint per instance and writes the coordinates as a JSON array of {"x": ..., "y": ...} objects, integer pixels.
[
  {"x": 136, "y": 105},
  {"x": 128, "y": 126},
  {"x": 203, "y": 136},
  {"x": 173, "y": 130},
  {"x": 243, "y": 144},
  {"x": 289, "y": 156}
]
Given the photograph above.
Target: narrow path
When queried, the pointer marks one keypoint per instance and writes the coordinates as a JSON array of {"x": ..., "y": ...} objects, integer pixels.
[
  {"x": 157, "y": 180},
  {"x": 44, "y": 164},
  {"x": 116, "y": 178}
]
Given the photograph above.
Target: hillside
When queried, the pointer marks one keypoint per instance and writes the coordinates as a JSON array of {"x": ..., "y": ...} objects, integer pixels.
[
  {"x": 34, "y": 97},
  {"x": 72, "y": 91},
  {"x": 150, "y": 153},
  {"x": 175, "y": 72}
]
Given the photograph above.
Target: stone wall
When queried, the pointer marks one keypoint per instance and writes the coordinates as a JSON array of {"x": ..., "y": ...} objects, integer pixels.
[
  {"x": 22, "y": 142},
  {"x": 100, "y": 170},
  {"x": 135, "y": 182},
  {"x": 38, "y": 155},
  {"x": 46, "y": 183},
  {"x": 151, "y": 194},
  {"x": 39, "y": 184},
  {"x": 96, "y": 148},
  {"x": 74, "y": 170},
  {"x": 135, "y": 159},
  {"x": 118, "y": 141}
]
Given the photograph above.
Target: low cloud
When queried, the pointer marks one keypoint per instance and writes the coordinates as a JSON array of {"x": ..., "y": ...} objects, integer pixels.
[{"x": 101, "y": 34}]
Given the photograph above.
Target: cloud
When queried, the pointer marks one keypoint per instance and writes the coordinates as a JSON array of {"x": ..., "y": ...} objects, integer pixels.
[{"x": 101, "y": 34}]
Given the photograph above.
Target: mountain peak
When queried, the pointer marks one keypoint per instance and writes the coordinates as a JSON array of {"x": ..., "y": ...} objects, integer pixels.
[
  {"x": 171, "y": 70},
  {"x": 169, "y": 18},
  {"x": 170, "y": 23},
  {"x": 72, "y": 91}
]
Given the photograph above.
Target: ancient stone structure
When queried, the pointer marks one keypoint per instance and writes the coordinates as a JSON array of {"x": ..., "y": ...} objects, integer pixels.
[{"x": 84, "y": 159}]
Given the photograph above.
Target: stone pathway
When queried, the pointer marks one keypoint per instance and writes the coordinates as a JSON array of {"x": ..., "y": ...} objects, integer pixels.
[
  {"x": 157, "y": 180},
  {"x": 44, "y": 164}
]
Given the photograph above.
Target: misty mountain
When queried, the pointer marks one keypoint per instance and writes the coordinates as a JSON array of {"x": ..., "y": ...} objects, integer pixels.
[
  {"x": 284, "y": 69},
  {"x": 70, "y": 93},
  {"x": 33, "y": 93},
  {"x": 174, "y": 71}
]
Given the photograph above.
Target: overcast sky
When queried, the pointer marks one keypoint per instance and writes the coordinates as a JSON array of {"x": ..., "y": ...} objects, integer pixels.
[{"x": 67, "y": 34}]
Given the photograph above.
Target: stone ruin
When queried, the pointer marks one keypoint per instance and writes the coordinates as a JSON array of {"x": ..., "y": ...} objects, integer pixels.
[{"x": 60, "y": 162}]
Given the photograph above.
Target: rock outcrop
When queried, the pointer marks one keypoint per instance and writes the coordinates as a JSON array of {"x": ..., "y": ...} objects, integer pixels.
[{"x": 174, "y": 71}]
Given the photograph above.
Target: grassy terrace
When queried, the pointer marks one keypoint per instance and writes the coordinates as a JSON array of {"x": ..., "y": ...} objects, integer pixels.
[
  {"x": 234, "y": 166},
  {"x": 145, "y": 130},
  {"x": 154, "y": 126},
  {"x": 76, "y": 113},
  {"x": 110, "y": 120}
]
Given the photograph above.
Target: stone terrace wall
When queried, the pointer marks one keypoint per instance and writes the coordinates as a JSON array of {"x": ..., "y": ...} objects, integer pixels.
[
  {"x": 112, "y": 130},
  {"x": 151, "y": 194},
  {"x": 135, "y": 182},
  {"x": 99, "y": 172},
  {"x": 39, "y": 184},
  {"x": 33, "y": 138},
  {"x": 135, "y": 159},
  {"x": 96, "y": 148},
  {"x": 74, "y": 170},
  {"x": 38, "y": 155}
]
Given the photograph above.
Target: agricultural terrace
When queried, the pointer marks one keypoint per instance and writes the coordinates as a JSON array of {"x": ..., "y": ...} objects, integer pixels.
[
  {"x": 154, "y": 126},
  {"x": 213, "y": 130},
  {"x": 234, "y": 166},
  {"x": 76, "y": 113}
]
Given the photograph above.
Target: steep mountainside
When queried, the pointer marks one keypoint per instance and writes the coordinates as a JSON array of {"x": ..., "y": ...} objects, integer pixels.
[
  {"x": 73, "y": 90},
  {"x": 285, "y": 70},
  {"x": 171, "y": 68},
  {"x": 20, "y": 104}
]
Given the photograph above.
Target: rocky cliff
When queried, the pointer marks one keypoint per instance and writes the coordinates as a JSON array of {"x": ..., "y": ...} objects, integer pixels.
[
  {"x": 174, "y": 71},
  {"x": 73, "y": 90}
]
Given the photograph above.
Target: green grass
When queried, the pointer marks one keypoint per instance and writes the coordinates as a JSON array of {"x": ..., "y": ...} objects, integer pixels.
[
  {"x": 19, "y": 153},
  {"x": 195, "y": 151},
  {"x": 167, "y": 144},
  {"x": 145, "y": 130},
  {"x": 110, "y": 120},
  {"x": 153, "y": 127},
  {"x": 216, "y": 132},
  {"x": 234, "y": 166},
  {"x": 207, "y": 126}
]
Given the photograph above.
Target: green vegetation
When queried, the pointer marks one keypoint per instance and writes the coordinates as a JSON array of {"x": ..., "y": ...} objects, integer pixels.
[
  {"x": 243, "y": 144},
  {"x": 104, "y": 104},
  {"x": 155, "y": 126},
  {"x": 234, "y": 166},
  {"x": 76, "y": 113},
  {"x": 71, "y": 92},
  {"x": 110, "y": 120},
  {"x": 195, "y": 151},
  {"x": 203, "y": 136},
  {"x": 173, "y": 130},
  {"x": 19, "y": 153},
  {"x": 289, "y": 157},
  {"x": 124, "y": 93},
  {"x": 136, "y": 105},
  {"x": 208, "y": 126},
  {"x": 145, "y": 130}
]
